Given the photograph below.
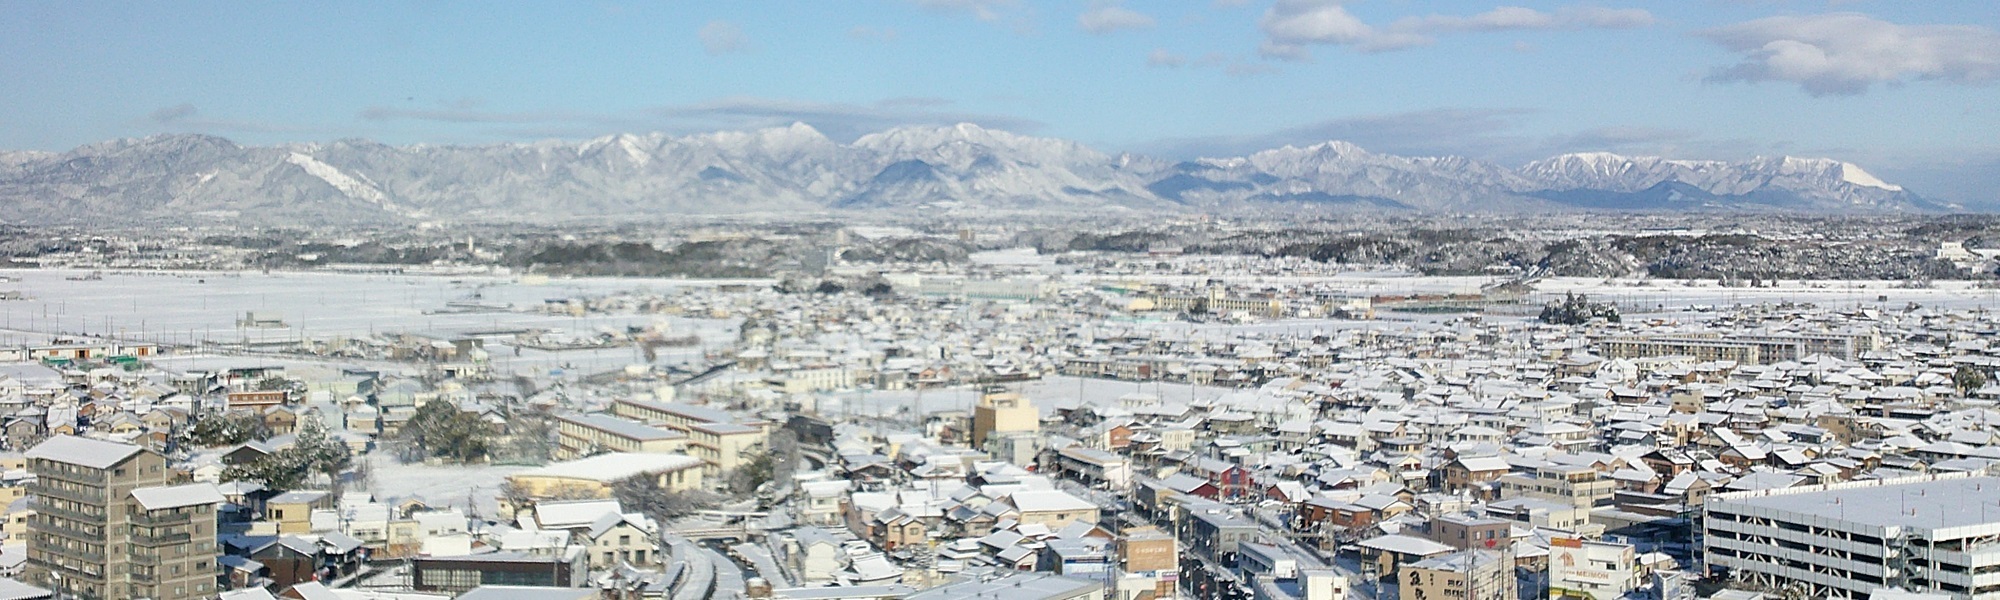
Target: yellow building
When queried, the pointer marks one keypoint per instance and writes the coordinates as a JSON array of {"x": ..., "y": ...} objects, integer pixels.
[
  {"x": 292, "y": 511},
  {"x": 1054, "y": 508},
  {"x": 724, "y": 446},
  {"x": 714, "y": 436},
  {"x": 582, "y": 435},
  {"x": 1001, "y": 413}
]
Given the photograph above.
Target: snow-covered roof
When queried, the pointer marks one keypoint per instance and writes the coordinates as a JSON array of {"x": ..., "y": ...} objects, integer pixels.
[
  {"x": 615, "y": 466},
  {"x": 176, "y": 496},
  {"x": 1405, "y": 544},
  {"x": 15, "y": 590},
  {"x": 574, "y": 513},
  {"x": 96, "y": 454},
  {"x": 1048, "y": 500}
]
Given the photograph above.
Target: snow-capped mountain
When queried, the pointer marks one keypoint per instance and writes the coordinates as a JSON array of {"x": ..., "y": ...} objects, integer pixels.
[
  {"x": 1611, "y": 180},
  {"x": 1342, "y": 173},
  {"x": 966, "y": 163},
  {"x": 797, "y": 169}
]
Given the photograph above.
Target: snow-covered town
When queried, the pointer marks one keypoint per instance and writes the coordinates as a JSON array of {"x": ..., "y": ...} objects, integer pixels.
[
  {"x": 1083, "y": 426},
  {"x": 999, "y": 300}
]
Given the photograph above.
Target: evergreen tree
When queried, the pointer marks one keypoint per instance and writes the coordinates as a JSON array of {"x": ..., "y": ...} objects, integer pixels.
[
  {"x": 1577, "y": 309},
  {"x": 440, "y": 429}
]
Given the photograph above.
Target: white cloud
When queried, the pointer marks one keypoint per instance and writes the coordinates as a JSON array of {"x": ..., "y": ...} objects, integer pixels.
[
  {"x": 1160, "y": 57},
  {"x": 1104, "y": 17},
  {"x": 841, "y": 121},
  {"x": 984, "y": 10},
  {"x": 722, "y": 37},
  {"x": 1291, "y": 26},
  {"x": 1846, "y": 53},
  {"x": 1604, "y": 18}
]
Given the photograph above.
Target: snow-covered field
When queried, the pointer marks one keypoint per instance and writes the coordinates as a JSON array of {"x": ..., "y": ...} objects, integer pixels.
[
  {"x": 177, "y": 307},
  {"x": 183, "y": 308}
]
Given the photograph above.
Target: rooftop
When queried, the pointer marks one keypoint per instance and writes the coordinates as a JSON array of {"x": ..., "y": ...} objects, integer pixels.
[
  {"x": 615, "y": 466},
  {"x": 1024, "y": 586},
  {"x": 1921, "y": 503},
  {"x": 176, "y": 496},
  {"x": 691, "y": 412},
  {"x": 622, "y": 428},
  {"x": 1405, "y": 544},
  {"x": 523, "y": 592},
  {"x": 95, "y": 454}
]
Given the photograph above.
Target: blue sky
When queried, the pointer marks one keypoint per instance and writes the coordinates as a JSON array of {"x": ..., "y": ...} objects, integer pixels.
[{"x": 1907, "y": 89}]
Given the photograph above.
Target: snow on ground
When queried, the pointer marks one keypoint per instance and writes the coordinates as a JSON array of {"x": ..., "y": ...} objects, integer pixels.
[
  {"x": 444, "y": 485},
  {"x": 180, "y": 308},
  {"x": 1047, "y": 393}
]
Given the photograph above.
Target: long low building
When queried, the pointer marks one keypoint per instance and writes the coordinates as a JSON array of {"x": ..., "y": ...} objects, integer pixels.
[
  {"x": 1936, "y": 534},
  {"x": 583, "y": 434},
  {"x": 594, "y": 477},
  {"x": 715, "y": 436}
]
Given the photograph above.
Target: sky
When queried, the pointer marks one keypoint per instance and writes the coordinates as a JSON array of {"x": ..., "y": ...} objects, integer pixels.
[{"x": 1909, "y": 90}]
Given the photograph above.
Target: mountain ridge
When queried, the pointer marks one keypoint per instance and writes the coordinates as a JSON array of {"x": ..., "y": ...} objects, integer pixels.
[{"x": 797, "y": 168}]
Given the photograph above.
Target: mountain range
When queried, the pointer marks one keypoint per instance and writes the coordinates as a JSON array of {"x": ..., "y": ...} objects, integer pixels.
[{"x": 795, "y": 169}]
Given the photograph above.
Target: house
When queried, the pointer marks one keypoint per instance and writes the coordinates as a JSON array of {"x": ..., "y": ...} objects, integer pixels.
[
  {"x": 1054, "y": 509},
  {"x": 621, "y": 539},
  {"x": 1231, "y": 479},
  {"x": 292, "y": 511},
  {"x": 1476, "y": 474}
]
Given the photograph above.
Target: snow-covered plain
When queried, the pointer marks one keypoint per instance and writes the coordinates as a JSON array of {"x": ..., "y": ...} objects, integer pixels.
[{"x": 194, "y": 307}]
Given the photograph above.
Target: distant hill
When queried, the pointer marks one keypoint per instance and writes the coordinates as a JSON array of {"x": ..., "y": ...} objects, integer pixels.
[{"x": 797, "y": 169}]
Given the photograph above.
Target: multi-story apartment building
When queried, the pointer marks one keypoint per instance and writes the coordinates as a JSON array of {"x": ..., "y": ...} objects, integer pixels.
[
  {"x": 716, "y": 437},
  {"x": 586, "y": 434},
  {"x": 107, "y": 526},
  {"x": 1745, "y": 348},
  {"x": 1937, "y": 534},
  {"x": 724, "y": 446},
  {"x": 173, "y": 541}
]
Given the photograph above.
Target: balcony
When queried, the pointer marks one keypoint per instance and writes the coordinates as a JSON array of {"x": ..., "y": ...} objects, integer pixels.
[
  {"x": 95, "y": 477},
  {"x": 161, "y": 539},
  {"x": 94, "y": 496},
  {"x": 74, "y": 560},
  {"x": 67, "y": 513},
  {"x": 57, "y": 527},
  {"x": 161, "y": 518},
  {"x": 143, "y": 558}
]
